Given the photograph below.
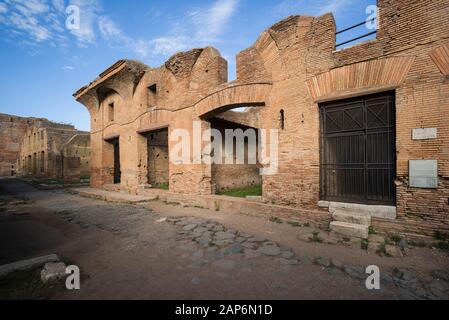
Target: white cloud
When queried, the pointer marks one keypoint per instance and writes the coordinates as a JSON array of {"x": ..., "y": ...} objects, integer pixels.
[
  {"x": 89, "y": 10},
  {"x": 33, "y": 22},
  {"x": 212, "y": 21},
  {"x": 167, "y": 46},
  {"x": 3, "y": 8},
  {"x": 116, "y": 37},
  {"x": 68, "y": 68}
]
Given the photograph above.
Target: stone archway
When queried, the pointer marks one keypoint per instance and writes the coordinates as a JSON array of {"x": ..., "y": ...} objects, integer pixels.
[
  {"x": 233, "y": 95},
  {"x": 242, "y": 175}
]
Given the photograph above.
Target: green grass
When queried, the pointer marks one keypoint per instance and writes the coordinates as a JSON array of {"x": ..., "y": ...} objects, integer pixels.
[
  {"x": 442, "y": 245},
  {"x": 294, "y": 224},
  {"x": 441, "y": 236},
  {"x": 364, "y": 244},
  {"x": 395, "y": 238},
  {"x": 243, "y": 192},
  {"x": 162, "y": 186}
]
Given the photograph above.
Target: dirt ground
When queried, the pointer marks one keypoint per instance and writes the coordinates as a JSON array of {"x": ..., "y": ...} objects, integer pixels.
[{"x": 160, "y": 251}]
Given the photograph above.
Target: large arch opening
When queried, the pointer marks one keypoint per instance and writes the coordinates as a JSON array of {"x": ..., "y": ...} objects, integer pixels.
[{"x": 233, "y": 112}]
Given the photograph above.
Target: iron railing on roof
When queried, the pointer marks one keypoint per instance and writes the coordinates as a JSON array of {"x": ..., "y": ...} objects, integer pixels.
[{"x": 358, "y": 37}]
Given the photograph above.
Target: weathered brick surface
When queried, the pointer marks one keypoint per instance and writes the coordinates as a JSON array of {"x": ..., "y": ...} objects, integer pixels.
[
  {"x": 52, "y": 151},
  {"x": 12, "y": 131},
  {"x": 292, "y": 67}
]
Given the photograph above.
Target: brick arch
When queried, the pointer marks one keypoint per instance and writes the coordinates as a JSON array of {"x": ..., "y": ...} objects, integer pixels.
[
  {"x": 373, "y": 74},
  {"x": 233, "y": 95},
  {"x": 154, "y": 119}
]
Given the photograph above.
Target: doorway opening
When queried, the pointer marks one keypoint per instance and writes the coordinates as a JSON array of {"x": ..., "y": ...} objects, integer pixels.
[
  {"x": 158, "y": 159},
  {"x": 239, "y": 178},
  {"x": 116, "y": 166}
]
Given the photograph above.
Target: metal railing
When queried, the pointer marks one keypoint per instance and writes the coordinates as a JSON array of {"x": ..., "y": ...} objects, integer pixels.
[{"x": 359, "y": 37}]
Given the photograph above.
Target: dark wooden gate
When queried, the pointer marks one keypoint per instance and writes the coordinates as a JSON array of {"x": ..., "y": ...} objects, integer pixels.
[{"x": 358, "y": 153}]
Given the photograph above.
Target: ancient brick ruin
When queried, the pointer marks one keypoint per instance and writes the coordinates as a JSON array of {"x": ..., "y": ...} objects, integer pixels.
[
  {"x": 12, "y": 131},
  {"x": 54, "y": 151},
  {"x": 323, "y": 101}
]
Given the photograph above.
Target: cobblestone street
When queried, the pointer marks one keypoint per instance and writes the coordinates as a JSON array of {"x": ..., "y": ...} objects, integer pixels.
[{"x": 160, "y": 251}]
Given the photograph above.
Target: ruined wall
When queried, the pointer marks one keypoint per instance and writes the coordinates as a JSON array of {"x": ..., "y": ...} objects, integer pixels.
[
  {"x": 233, "y": 176},
  {"x": 158, "y": 158},
  {"x": 46, "y": 147},
  {"x": 12, "y": 131}
]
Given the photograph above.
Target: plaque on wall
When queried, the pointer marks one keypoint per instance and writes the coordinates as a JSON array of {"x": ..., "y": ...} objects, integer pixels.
[
  {"x": 423, "y": 174},
  {"x": 425, "y": 134}
]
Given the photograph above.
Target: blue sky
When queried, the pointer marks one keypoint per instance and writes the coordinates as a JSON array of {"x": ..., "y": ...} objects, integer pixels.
[{"x": 43, "y": 63}]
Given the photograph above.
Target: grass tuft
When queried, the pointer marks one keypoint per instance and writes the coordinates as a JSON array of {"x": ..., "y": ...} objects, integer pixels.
[{"x": 243, "y": 192}]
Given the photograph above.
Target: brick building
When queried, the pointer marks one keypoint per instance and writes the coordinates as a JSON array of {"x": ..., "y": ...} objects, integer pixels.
[
  {"x": 55, "y": 151},
  {"x": 363, "y": 128},
  {"x": 12, "y": 131}
]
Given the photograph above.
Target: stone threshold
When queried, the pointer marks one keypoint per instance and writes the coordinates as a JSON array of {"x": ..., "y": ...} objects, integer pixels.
[{"x": 375, "y": 211}]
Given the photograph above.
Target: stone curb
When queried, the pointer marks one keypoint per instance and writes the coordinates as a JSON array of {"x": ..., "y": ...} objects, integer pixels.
[{"x": 25, "y": 265}]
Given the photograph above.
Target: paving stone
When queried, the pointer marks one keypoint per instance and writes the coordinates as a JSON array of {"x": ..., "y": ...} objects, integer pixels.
[
  {"x": 224, "y": 235},
  {"x": 323, "y": 262},
  {"x": 269, "y": 250},
  {"x": 200, "y": 230},
  {"x": 355, "y": 272},
  {"x": 195, "y": 281},
  {"x": 440, "y": 274},
  {"x": 440, "y": 289},
  {"x": 221, "y": 243},
  {"x": 336, "y": 263},
  {"x": 235, "y": 248},
  {"x": 287, "y": 254},
  {"x": 257, "y": 239},
  {"x": 251, "y": 254},
  {"x": 224, "y": 264},
  {"x": 250, "y": 245},
  {"x": 218, "y": 228},
  {"x": 190, "y": 227},
  {"x": 204, "y": 240}
]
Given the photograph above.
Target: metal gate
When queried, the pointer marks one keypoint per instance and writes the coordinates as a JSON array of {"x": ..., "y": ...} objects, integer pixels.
[{"x": 358, "y": 153}]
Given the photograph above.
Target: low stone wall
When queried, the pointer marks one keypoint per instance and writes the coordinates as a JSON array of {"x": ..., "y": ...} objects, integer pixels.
[{"x": 242, "y": 206}]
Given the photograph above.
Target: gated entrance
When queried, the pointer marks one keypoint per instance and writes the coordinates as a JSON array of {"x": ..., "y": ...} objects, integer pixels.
[{"x": 358, "y": 154}]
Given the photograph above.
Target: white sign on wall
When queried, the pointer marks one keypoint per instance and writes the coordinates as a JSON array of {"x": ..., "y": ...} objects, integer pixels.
[
  {"x": 423, "y": 174},
  {"x": 425, "y": 133}
]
